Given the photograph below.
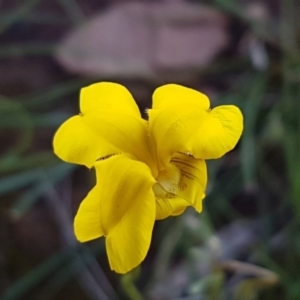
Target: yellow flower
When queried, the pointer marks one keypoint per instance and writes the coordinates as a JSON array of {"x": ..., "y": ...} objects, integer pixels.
[{"x": 145, "y": 171}]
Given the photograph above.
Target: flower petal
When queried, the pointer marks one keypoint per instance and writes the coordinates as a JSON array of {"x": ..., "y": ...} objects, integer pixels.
[
  {"x": 169, "y": 129},
  {"x": 191, "y": 129},
  {"x": 110, "y": 123},
  {"x": 125, "y": 209},
  {"x": 172, "y": 94},
  {"x": 128, "y": 243},
  {"x": 193, "y": 179},
  {"x": 172, "y": 206},
  {"x": 108, "y": 96},
  {"x": 87, "y": 223},
  {"x": 75, "y": 142},
  {"x": 126, "y": 133},
  {"x": 84, "y": 139},
  {"x": 218, "y": 134},
  {"x": 185, "y": 177}
]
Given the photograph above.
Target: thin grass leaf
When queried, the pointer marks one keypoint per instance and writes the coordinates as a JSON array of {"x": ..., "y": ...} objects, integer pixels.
[
  {"x": 21, "y": 180},
  {"x": 248, "y": 147},
  {"x": 50, "y": 96},
  {"x": 14, "y": 116},
  {"x": 72, "y": 10},
  {"x": 23, "y": 10},
  {"x": 35, "y": 18},
  {"x": 50, "y": 120},
  {"x": 24, "y": 49},
  {"x": 28, "y": 199},
  {"x": 18, "y": 290},
  {"x": 14, "y": 162}
]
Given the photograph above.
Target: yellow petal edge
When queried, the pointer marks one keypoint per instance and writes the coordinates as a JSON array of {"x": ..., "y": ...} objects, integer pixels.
[{"x": 122, "y": 208}]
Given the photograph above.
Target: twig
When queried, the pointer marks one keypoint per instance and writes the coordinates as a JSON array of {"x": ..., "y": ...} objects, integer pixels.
[{"x": 267, "y": 276}]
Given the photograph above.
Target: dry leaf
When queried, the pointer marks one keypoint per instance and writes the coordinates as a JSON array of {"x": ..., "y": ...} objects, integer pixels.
[{"x": 145, "y": 40}]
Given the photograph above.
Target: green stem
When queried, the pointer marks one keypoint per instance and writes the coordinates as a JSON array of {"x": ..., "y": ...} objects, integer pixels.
[{"x": 129, "y": 287}]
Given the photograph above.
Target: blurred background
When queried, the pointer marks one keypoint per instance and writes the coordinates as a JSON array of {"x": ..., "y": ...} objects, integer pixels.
[{"x": 246, "y": 243}]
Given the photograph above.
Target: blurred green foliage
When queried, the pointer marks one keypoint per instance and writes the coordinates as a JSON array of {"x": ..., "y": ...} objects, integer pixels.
[{"x": 256, "y": 187}]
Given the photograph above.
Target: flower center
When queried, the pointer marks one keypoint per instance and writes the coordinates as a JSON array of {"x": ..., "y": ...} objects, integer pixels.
[{"x": 168, "y": 182}]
